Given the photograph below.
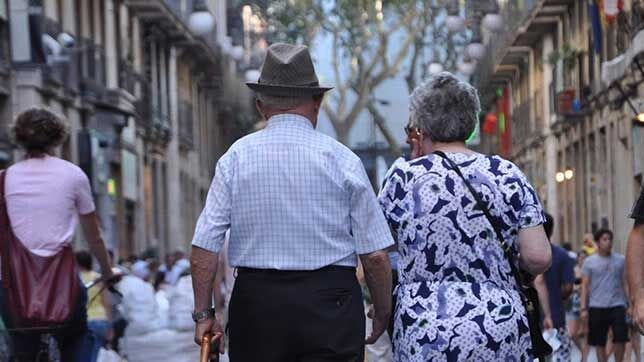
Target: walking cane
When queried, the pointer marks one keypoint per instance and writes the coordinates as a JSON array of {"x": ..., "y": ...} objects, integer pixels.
[
  {"x": 209, "y": 349},
  {"x": 205, "y": 348}
]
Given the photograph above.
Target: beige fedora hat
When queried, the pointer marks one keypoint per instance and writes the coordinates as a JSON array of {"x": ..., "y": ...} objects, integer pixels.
[{"x": 287, "y": 71}]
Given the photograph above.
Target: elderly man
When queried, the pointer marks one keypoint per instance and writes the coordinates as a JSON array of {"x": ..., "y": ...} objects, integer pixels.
[
  {"x": 300, "y": 209},
  {"x": 634, "y": 257}
]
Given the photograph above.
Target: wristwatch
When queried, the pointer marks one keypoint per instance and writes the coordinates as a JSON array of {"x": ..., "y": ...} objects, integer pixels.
[{"x": 203, "y": 315}]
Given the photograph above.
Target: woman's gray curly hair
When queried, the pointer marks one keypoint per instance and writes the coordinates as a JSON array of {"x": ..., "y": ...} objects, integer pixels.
[{"x": 445, "y": 108}]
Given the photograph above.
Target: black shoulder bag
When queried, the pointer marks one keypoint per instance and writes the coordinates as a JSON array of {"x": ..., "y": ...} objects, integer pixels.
[{"x": 529, "y": 296}]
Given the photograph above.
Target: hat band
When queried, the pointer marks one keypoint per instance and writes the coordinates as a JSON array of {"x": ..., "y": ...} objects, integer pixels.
[{"x": 312, "y": 84}]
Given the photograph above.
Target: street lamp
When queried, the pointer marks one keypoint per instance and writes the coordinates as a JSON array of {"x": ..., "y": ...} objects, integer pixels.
[
  {"x": 252, "y": 75},
  {"x": 639, "y": 119},
  {"x": 201, "y": 21},
  {"x": 237, "y": 52},
  {"x": 560, "y": 177},
  {"x": 569, "y": 174},
  {"x": 454, "y": 22},
  {"x": 435, "y": 68},
  {"x": 493, "y": 21},
  {"x": 476, "y": 49}
]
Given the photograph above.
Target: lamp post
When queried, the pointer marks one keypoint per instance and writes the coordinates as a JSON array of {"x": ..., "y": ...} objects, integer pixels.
[
  {"x": 454, "y": 21},
  {"x": 493, "y": 21},
  {"x": 476, "y": 49},
  {"x": 201, "y": 21}
]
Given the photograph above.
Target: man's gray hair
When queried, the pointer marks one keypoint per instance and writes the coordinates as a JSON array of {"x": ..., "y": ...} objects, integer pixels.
[
  {"x": 280, "y": 103},
  {"x": 445, "y": 108}
]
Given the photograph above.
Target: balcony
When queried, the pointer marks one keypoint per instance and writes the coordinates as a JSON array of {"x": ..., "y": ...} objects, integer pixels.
[
  {"x": 516, "y": 14},
  {"x": 186, "y": 125},
  {"x": 172, "y": 16},
  {"x": 92, "y": 60}
]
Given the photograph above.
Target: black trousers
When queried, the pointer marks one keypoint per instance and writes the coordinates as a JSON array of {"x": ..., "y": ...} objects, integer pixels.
[{"x": 296, "y": 316}]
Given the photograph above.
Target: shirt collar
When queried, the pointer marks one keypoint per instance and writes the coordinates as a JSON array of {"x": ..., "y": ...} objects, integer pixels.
[{"x": 290, "y": 119}]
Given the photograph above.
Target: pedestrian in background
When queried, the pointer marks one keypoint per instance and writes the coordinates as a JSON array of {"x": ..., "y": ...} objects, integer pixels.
[
  {"x": 603, "y": 297},
  {"x": 300, "y": 209},
  {"x": 576, "y": 327},
  {"x": 559, "y": 280},
  {"x": 99, "y": 308},
  {"x": 457, "y": 296},
  {"x": 45, "y": 197}
]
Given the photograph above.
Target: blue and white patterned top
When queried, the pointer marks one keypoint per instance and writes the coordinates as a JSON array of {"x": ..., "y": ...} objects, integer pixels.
[
  {"x": 294, "y": 199},
  {"x": 457, "y": 299}
]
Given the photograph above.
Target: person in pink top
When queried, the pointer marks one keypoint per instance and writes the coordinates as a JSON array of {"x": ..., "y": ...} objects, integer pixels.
[{"x": 46, "y": 198}]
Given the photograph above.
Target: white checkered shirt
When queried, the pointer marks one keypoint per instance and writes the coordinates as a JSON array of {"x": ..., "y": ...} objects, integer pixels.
[{"x": 294, "y": 199}]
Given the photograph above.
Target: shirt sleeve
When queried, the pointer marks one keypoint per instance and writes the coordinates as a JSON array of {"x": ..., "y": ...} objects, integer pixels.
[
  {"x": 83, "y": 198},
  {"x": 585, "y": 269},
  {"x": 569, "y": 270},
  {"x": 214, "y": 220},
  {"x": 368, "y": 225},
  {"x": 531, "y": 213}
]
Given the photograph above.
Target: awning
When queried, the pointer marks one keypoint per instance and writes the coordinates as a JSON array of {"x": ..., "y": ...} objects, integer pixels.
[{"x": 615, "y": 69}]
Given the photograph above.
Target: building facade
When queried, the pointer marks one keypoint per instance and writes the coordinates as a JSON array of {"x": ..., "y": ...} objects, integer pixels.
[
  {"x": 150, "y": 105},
  {"x": 557, "y": 85}
]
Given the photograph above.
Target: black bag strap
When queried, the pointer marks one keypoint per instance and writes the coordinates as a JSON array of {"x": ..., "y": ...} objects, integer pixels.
[{"x": 507, "y": 250}]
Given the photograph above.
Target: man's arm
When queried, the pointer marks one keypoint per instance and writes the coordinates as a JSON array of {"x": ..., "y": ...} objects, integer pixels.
[
  {"x": 568, "y": 280},
  {"x": 207, "y": 241},
  {"x": 92, "y": 232},
  {"x": 585, "y": 282},
  {"x": 544, "y": 300},
  {"x": 377, "y": 273},
  {"x": 203, "y": 267},
  {"x": 635, "y": 272}
]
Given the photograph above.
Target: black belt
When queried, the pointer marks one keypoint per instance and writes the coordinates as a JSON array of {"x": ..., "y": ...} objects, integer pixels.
[{"x": 276, "y": 272}]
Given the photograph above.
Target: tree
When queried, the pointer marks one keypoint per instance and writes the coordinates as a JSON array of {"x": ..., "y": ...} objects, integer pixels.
[{"x": 372, "y": 41}]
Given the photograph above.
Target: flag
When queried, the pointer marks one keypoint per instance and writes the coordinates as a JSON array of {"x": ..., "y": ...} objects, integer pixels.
[
  {"x": 609, "y": 9},
  {"x": 593, "y": 11}
]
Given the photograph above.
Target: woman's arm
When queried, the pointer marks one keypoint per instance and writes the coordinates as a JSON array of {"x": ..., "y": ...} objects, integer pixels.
[{"x": 535, "y": 254}]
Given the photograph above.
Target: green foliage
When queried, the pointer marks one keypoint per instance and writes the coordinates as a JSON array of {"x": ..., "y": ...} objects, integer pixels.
[{"x": 567, "y": 54}]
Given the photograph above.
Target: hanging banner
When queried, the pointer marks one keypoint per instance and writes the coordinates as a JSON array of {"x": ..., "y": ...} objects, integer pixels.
[
  {"x": 595, "y": 20},
  {"x": 490, "y": 123}
]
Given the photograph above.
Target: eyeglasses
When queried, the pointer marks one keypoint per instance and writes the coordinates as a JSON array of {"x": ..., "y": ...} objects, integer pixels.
[{"x": 412, "y": 132}]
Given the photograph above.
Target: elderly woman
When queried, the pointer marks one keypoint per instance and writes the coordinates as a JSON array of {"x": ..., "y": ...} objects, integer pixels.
[
  {"x": 45, "y": 198},
  {"x": 457, "y": 299}
]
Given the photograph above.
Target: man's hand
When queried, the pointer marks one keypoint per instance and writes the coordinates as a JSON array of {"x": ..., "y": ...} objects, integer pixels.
[
  {"x": 547, "y": 323},
  {"x": 637, "y": 314},
  {"x": 377, "y": 272},
  {"x": 379, "y": 325},
  {"x": 216, "y": 330}
]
